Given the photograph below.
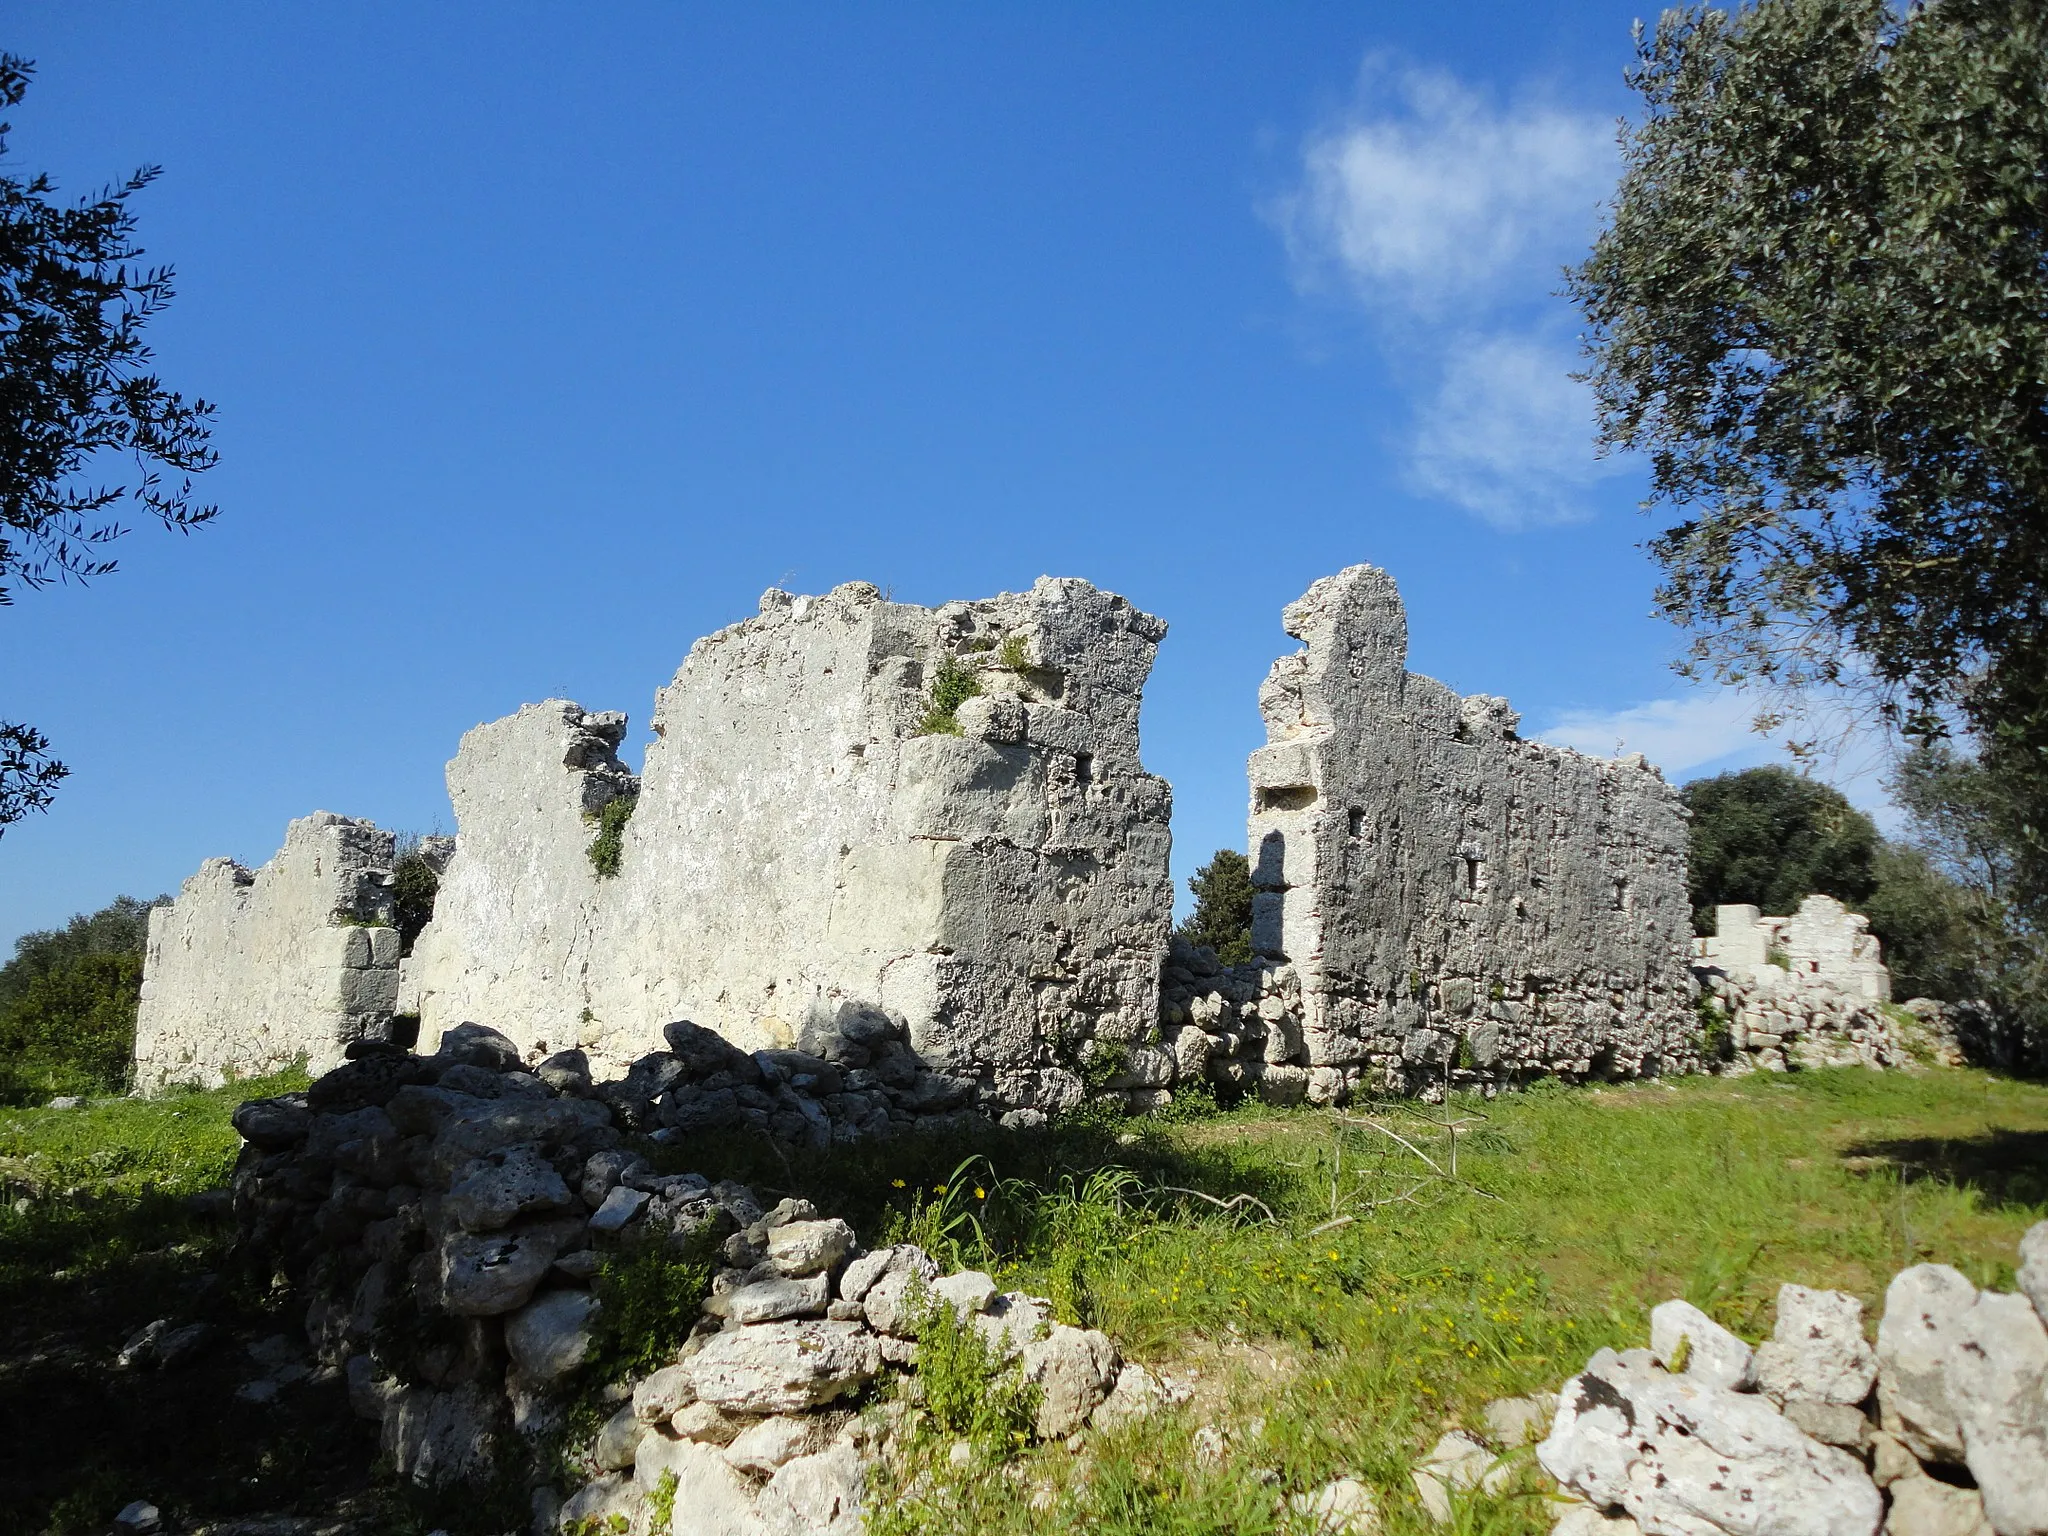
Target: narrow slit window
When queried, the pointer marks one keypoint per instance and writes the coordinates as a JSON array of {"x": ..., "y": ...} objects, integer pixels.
[
  {"x": 1084, "y": 767},
  {"x": 1356, "y": 823}
]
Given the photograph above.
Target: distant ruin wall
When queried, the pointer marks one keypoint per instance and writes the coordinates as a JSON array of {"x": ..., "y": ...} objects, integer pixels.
[
  {"x": 248, "y": 971},
  {"x": 1452, "y": 899},
  {"x": 801, "y": 846}
]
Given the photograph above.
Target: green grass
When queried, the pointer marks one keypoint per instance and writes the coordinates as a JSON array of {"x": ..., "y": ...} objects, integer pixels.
[{"x": 1347, "y": 1350}]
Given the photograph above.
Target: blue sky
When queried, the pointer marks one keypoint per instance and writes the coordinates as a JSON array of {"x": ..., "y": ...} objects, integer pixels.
[{"x": 545, "y": 337}]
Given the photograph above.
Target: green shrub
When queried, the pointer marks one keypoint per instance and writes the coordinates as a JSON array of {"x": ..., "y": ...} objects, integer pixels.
[
  {"x": 1222, "y": 918},
  {"x": 968, "y": 1388},
  {"x": 1015, "y": 655},
  {"x": 68, "y": 1001},
  {"x": 1717, "y": 1042},
  {"x": 952, "y": 686},
  {"x": 609, "y": 845},
  {"x": 414, "y": 885},
  {"x": 647, "y": 1301}
]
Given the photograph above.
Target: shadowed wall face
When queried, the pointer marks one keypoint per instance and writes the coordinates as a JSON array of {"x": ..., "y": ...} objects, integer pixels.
[{"x": 1448, "y": 893}]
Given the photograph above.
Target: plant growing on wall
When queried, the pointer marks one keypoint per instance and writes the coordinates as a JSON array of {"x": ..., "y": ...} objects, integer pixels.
[
  {"x": 609, "y": 844},
  {"x": 952, "y": 686},
  {"x": 1222, "y": 918}
]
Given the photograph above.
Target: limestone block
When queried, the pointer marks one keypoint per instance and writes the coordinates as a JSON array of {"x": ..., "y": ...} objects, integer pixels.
[
  {"x": 1924, "y": 1506},
  {"x": 768, "y": 1444},
  {"x": 1713, "y": 1354},
  {"x": 784, "y": 1367},
  {"x": 1924, "y": 1308},
  {"x": 2033, "y": 1272},
  {"x": 618, "y": 1440},
  {"x": 658, "y": 1397},
  {"x": 481, "y": 1276},
  {"x": 1344, "y": 1507},
  {"x": 550, "y": 1336},
  {"x": 810, "y": 1247},
  {"x": 1817, "y": 1353},
  {"x": 712, "y": 1497},
  {"x": 1074, "y": 1370},
  {"x": 1679, "y": 1455},
  {"x": 436, "y": 1437},
  {"x": 770, "y": 1301},
  {"x": 497, "y": 1190},
  {"x": 816, "y": 1495},
  {"x": 1997, "y": 1378}
]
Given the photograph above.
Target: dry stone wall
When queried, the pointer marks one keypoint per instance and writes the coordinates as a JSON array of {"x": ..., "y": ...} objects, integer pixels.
[
  {"x": 804, "y": 852},
  {"x": 1446, "y": 897},
  {"x": 249, "y": 970}
]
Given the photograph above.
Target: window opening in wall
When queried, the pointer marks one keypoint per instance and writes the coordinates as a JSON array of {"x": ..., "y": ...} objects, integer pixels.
[
  {"x": 1621, "y": 894},
  {"x": 1356, "y": 822},
  {"x": 1287, "y": 797},
  {"x": 1471, "y": 875},
  {"x": 1084, "y": 767}
]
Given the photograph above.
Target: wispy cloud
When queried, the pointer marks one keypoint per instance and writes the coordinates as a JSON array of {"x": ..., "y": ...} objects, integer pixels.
[
  {"x": 1447, "y": 218},
  {"x": 1675, "y": 734},
  {"x": 1508, "y": 433},
  {"x": 1426, "y": 196}
]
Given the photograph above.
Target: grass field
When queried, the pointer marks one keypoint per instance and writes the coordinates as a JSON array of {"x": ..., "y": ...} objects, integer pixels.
[{"x": 1324, "y": 1332}]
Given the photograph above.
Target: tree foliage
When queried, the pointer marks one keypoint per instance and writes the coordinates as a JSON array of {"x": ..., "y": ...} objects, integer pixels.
[
  {"x": 1222, "y": 918},
  {"x": 77, "y": 398},
  {"x": 68, "y": 1001},
  {"x": 1821, "y": 308},
  {"x": 1770, "y": 837}
]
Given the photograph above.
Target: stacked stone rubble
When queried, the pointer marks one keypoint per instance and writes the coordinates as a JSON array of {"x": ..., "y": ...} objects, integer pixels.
[
  {"x": 251, "y": 970},
  {"x": 1941, "y": 1429},
  {"x": 447, "y": 1216},
  {"x": 1812, "y": 990}
]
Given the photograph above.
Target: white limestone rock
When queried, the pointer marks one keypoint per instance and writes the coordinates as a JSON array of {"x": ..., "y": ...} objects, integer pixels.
[
  {"x": 815, "y": 1495},
  {"x": 2033, "y": 1275},
  {"x": 784, "y": 1367},
  {"x": 1344, "y": 1507},
  {"x": 802, "y": 1248},
  {"x": 657, "y": 1397},
  {"x": 447, "y": 1436},
  {"x": 1817, "y": 1352},
  {"x": 1681, "y": 1456},
  {"x": 619, "y": 1208},
  {"x": 1585, "y": 1520},
  {"x": 859, "y": 1277},
  {"x": 1514, "y": 1421},
  {"x": 618, "y": 1440},
  {"x": 771, "y": 1301},
  {"x": 498, "y": 1190},
  {"x": 1923, "y": 1312},
  {"x": 1074, "y": 1369},
  {"x": 762, "y": 1447},
  {"x": 1713, "y": 1354},
  {"x": 1136, "y": 1394},
  {"x": 1998, "y": 1381},
  {"x": 550, "y": 1336},
  {"x": 1926, "y": 1506},
  {"x": 969, "y": 1292},
  {"x": 483, "y": 1275},
  {"x": 1457, "y": 1463},
  {"x": 712, "y": 1497},
  {"x": 593, "y": 1505}
]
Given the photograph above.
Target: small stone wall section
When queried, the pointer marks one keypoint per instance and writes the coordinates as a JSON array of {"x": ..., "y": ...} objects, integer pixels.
[
  {"x": 1452, "y": 902},
  {"x": 800, "y": 846},
  {"x": 248, "y": 971}
]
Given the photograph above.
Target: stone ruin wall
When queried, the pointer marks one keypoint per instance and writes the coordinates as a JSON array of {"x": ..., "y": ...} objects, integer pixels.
[
  {"x": 1436, "y": 899},
  {"x": 800, "y": 849},
  {"x": 247, "y": 971}
]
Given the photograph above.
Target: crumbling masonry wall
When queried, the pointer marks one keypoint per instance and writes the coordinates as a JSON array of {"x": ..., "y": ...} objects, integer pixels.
[
  {"x": 1450, "y": 899},
  {"x": 249, "y": 970},
  {"x": 802, "y": 852}
]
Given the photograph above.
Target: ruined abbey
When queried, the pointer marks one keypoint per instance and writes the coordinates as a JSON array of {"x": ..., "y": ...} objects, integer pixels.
[{"x": 910, "y": 859}]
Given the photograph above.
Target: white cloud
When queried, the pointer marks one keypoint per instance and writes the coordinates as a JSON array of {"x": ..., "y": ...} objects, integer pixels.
[
  {"x": 1675, "y": 734},
  {"x": 1509, "y": 434},
  {"x": 1430, "y": 195}
]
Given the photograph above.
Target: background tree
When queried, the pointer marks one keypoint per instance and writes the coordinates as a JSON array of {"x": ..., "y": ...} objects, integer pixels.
[
  {"x": 68, "y": 1001},
  {"x": 1821, "y": 308},
  {"x": 1222, "y": 918},
  {"x": 76, "y": 397},
  {"x": 1770, "y": 837}
]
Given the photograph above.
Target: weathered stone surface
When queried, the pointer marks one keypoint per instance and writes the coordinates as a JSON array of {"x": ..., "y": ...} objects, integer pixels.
[
  {"x": 619, "y": 1208},
  {"x": 1830, "y": 1423},
  {"x": 800, "y": 1248},
  {"x": 2033, "y": 1273},
  {"x": 550, "y": 1336},
  {"x": 1713, "y": 1354},
  {"x": 618, "y": 1440},
  {"x": 1513, "y": 1421},
  {"x": 1585, "y": 1520},
  {"x": 657, "y": 1397},
  {"x": 485, "y": 1275},
  {"x": 861, "y": 1276},
  {"x": 248, "y": 970},
  {"x": 889, "y": 1301},
  {"x": 1998, "y": 1381},
  {"x": 443, "y": 1436},
  {"x": 914, "y": 875},
  {"x": 595, "y": 1503},
  {"x": 1456, "y": 1464},
  {"x": 712, "y": 1497},
  {"x": 815, "y": 1495},
  {"x": 1817, "y": 1352},
  {"x": 762, "y": 1447},
  {"x": 709, "y": 1424},
  {"x": 784, "y": 1367},
  {"x": 969, "y": 1292},
  {"x": 1343, "y": 1508},
  {"x": 1011, "y": 1320},
  {"x": 1074, "y": 1369},
  {"x": 1923, "y": 1311},
  {"x": 770, "y": 1301},
  {"x": 1136, "y": 1394},
  {"x": 500, "y": 1189},
  {"x": 1925, "y": 1506},
  {"x": 1683, "y": 1457},
  {"x": 1417, "y": 862},
  {"x": 274, "y": 1124}
]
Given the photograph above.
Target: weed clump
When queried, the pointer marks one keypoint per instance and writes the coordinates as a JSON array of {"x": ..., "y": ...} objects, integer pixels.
[
  {"x": 952, "y": 686},
  {"x": 647, "y": 1301},
  {"x": 968, "y": 1388},
  {"x": 609, "y": 844}
]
